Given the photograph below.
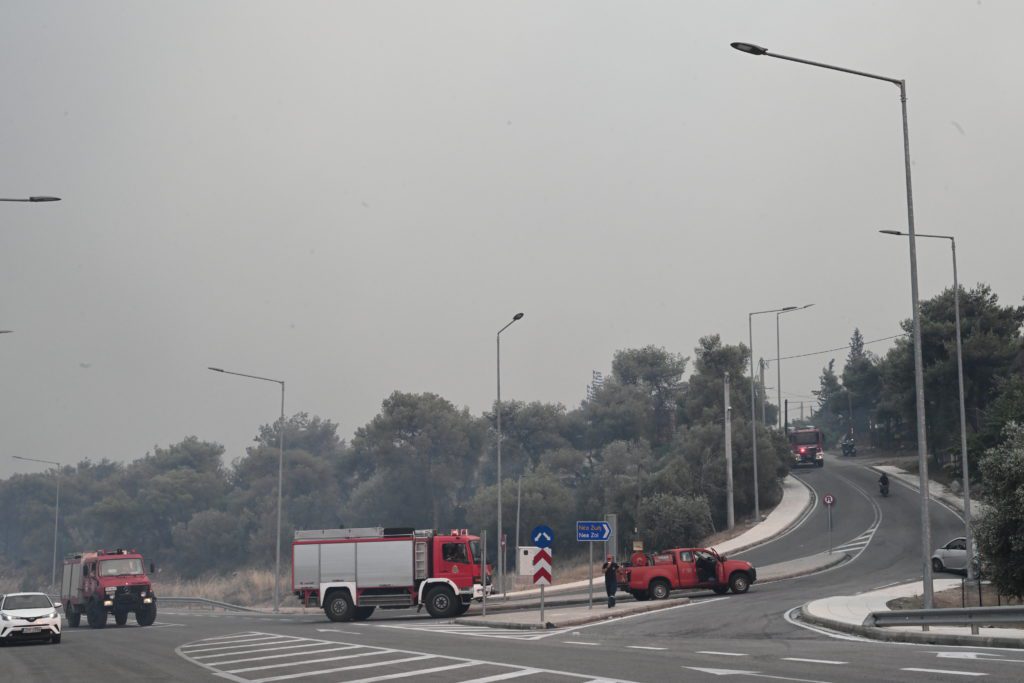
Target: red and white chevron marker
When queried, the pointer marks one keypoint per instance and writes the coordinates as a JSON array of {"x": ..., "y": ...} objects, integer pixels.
[{"x": 542, "y": 567}]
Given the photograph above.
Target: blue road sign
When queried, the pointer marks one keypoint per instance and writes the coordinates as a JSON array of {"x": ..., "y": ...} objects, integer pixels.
[
  {"x": 593, "y": 531},
  {"x": 542, "y": 536}
]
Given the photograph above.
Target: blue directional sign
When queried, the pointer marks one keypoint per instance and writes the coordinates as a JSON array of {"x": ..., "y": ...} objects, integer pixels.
[
  {"x": 593, "y": 531},
  {"x": 542, "y": 536}
]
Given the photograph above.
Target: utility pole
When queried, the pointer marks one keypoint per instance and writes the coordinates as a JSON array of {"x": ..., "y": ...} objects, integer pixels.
[
  {"x": 764, "y": 392},
  {"x": 729, "y": 514}
]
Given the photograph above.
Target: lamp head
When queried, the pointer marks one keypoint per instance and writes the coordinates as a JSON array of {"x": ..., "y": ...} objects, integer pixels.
[
  {"x": 749, "y": 48},
  {"x": 789, "y": 308},
  {"x": 891, "y": 232},
  {"x": 517, "y": 316},
  {"x": 44, "y": 199},
  {"x": 216, "y": 369}
]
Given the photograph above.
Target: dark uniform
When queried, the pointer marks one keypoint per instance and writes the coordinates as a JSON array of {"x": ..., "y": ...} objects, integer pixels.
[{"x": 611, "y": 581}]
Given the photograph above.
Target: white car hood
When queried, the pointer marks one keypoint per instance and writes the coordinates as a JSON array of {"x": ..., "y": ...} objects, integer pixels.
[{"x": 34, "y": 613}]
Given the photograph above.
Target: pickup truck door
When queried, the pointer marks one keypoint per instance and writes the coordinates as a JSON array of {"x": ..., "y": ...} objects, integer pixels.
[{"x": 687, "y": 569}]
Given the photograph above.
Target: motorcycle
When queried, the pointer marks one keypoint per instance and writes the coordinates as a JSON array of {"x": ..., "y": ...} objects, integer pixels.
[
  {"x": 849, "y": 447},
  {"x": 883, "y": 488}
]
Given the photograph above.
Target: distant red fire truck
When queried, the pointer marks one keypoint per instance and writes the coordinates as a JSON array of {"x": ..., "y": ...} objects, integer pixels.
[
  {"x": 102, "y": 582},
  {"x": 351, "y": 572},
  {"x": 807, "y": 445}
]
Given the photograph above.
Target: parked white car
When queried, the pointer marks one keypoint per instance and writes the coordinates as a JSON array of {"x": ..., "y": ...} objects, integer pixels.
[
  {"x": 28, "y": 616},
  {"x": 951, "y": 557}
]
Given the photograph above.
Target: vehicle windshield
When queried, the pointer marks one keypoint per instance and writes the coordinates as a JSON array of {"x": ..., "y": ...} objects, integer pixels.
[
  {"x": 474, "y": 549},
  {"x": 131, "y": 565},
  {"x": 12, "y": 602},
  {"x": 803, "y": 438}
]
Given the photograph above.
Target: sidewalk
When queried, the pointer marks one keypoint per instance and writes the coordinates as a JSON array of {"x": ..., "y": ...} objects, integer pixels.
[{"x": 847, "y": 613}]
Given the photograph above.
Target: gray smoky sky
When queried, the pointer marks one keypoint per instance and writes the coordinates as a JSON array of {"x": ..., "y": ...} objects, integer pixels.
[{"x": 355, "y": 196}]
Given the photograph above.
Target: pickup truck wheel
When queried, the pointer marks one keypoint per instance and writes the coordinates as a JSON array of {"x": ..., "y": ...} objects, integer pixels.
[
  {"x": 721, "y": 590},
  {"x": 74, "y": 616},
  {"x": 441, "y": 603},
  {"x": 739, "y": 582},
  {"x": 96, "y": 615},
  {"x": 641, "y": 596},
  {"x": 659, "y": 589},
  {"x": 339, "y": 607}
]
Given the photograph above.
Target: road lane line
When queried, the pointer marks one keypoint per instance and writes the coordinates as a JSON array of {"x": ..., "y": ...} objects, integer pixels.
[
  {"x": 722, "y": 654},
  {"x": 645, "y": 647},
  {"x": 417, "y": 672},
  {"x": 813, "y": 661},
  {"x": 578, "y": 642},
  {"x": 503, "y": 677},
  {"x": 287, "y": 654},
  {"x": 944, "y": 671},
  {"x": 319, "y": 672},
  {"x": 247, "y": 643},
  {"x": 312, "y": 643},
  {"x": 310, "y": 661}
]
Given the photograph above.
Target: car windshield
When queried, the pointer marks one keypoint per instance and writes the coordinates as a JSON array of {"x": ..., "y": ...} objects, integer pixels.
[
  {"x": 803, "y": 438},
  {"x": 474, "y": 549},
  {"x": 118, "y": 567},
  {"x": 12, "y": 602}
]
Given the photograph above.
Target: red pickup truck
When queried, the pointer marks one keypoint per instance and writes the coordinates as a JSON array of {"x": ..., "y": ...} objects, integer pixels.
[{"x": 654, "y": 575}]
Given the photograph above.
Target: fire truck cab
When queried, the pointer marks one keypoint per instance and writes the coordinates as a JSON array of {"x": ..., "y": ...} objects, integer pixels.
[{"x": 104, "y": 582}]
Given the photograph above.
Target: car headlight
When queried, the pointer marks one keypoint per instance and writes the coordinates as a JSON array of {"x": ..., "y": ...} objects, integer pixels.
[
  {"x": 52, "y": 615},
  {"x": 4, "y": 617}
]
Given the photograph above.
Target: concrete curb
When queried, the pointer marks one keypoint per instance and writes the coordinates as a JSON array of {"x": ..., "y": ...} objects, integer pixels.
[
  {"x": 599, "y": 614},
  {"x": 920, "y": 637}
]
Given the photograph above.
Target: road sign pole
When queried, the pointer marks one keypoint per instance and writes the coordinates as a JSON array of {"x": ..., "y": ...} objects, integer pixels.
[
  {"x": 483, "y": 568},
  {"x": 542, "y": 604},
  {"x": 829, "y": 529},
  {"x": 591, "y": 567}
]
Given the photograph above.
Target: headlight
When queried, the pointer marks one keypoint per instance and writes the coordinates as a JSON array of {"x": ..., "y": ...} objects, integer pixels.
[
  {"x": 52, "y": 615},
  {"x": 4, "y": 617}
]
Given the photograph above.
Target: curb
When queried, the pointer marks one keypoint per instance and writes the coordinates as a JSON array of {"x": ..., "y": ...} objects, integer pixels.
[
  {"x": 576, "y": 621},
  {"x": 920, "y": 637}
]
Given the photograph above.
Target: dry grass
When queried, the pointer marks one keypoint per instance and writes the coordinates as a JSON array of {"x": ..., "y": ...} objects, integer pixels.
[
  {"x": 249, "y": 587},
  {"x": 954, "y": 598}
]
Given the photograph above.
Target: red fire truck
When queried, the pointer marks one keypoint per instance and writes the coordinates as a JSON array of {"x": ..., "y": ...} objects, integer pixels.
[
  {"x": 104, "y": 582},
  {"x": 351, "y": 572},
  {"x": 807, "y": 445}
]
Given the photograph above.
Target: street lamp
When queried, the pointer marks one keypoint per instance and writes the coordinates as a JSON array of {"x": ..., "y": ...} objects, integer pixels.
[
  {"x": 280, "y": 472},
  {"x": 31, "y": 199},
  {"x": 56, "y": 512},
  {"x": 501, "y": 549},
  {"x": 753, "y": 414},
  {"x": 778, "y": 359},
  {"x": 922, "y": 446},
  {"x": 960, "y": 379}
]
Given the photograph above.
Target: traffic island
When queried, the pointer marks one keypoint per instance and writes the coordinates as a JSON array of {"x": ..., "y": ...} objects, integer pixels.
[{"x": 562, "y": 617}]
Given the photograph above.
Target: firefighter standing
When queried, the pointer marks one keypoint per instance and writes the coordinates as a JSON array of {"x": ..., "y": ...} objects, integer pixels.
[{"x": 611, "y": 583}]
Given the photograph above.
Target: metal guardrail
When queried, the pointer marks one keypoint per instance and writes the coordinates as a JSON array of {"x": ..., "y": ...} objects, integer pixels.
[
  {"x": 952, "y": 616},
  {"x": 206, "y": 601}
]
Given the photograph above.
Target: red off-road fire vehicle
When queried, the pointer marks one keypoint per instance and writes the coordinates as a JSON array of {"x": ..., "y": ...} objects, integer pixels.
[
  {"x": 652, "y": 576},
  {"x": 808, "y": 447},
  {"x": 104, "y": 582}
]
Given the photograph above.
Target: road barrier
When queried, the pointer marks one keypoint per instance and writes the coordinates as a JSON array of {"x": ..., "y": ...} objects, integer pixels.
[{"x": 952, "y": 616}]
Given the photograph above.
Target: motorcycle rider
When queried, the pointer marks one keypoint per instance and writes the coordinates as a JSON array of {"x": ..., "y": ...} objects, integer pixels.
[{"x": 883, "y": 483}]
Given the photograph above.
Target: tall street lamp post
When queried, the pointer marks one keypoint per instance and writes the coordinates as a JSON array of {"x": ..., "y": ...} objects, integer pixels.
[
  {"x": 56, "y": 511},
  {"x": 960, "y": 380},
  {"x": 922, "y": 447},
  {"x": 30, "y": 199},
  {"x": 778, "y": 358},
  {"x": 280, "y": 473},
  {"x": 501, "y": 548},
  {"x": 753, "y": 413}
]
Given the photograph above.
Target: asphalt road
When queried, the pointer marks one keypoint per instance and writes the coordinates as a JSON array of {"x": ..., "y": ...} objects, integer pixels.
[{"x": 714, "y": 637}]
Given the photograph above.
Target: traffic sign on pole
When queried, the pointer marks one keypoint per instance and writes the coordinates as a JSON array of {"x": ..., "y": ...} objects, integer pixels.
[
  {"x": 828, "y": 499},
  {"x": 542, "y": 568},
  {"x": 593, "y": 531},
  {"x": 542, "y": 536}
]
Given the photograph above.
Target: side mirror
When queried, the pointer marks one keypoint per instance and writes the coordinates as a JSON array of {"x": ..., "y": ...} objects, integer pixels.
[{"x": 58, "y": 605}]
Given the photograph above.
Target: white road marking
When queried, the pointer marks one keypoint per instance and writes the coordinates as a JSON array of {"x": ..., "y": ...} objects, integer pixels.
[
  {"x": 978, "y": 656},
  {"x": 944, "y": 671},
  {"x": 287, "y": 654},
  {"x": 244, "y": 643},
  {"x": 417, "y": 672},
  {"x": 504, "y": 677},
  {"x": 721, "y": 654},
  {"x": 252, "y": 652},
  {"x": 821, "y": 631},
  {"x": 813, "y": 661},
  {"x": 739, "y": 672},
  {"x": 578, "y": 642},
  {"x": 334, "y": 630},
  {"x": 304, "y": 674},
  {"x": 645, "y": 647},
  {"x": 310, "y": 661}
]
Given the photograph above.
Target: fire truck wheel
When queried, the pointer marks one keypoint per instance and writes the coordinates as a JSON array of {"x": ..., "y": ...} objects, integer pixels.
[
  {"x": 441, "y": 603},
  {"x": 120, "y": 618},
  {"x": 363, "y": 613},
  {"x": 145, "y": 615},
  {"x": 659, "y": 589},
  {"x": 74, "y": 616},
  {"x": 339, "y": 607},
  {"x": 739, "y": 582},
  {"x": 96, "y": 615},
  {"x": 462, "y": 608}
]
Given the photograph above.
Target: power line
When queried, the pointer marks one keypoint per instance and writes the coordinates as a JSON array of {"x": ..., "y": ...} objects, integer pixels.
[{"x": 842, "y": 348}]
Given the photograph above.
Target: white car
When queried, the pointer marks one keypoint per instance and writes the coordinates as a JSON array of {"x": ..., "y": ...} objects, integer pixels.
[
  {"x": 28, "y": 616},
  {"x": 951, "y": 557}
]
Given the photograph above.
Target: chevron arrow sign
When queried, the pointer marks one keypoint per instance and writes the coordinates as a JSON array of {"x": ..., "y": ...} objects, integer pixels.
[{"x": 542, "y": 567}]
